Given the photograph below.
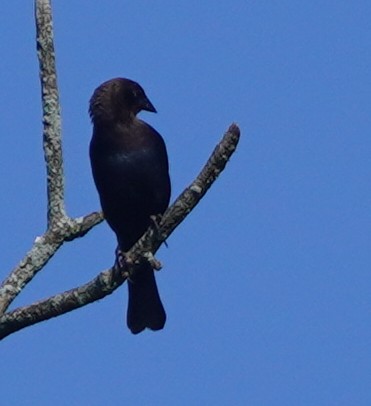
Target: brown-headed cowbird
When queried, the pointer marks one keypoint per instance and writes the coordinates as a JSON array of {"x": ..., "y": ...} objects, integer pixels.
[{"x": 131, "y": 172}]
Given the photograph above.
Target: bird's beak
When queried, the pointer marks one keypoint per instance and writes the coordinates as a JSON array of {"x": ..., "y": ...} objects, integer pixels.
[{"x": 148, "y": 106}]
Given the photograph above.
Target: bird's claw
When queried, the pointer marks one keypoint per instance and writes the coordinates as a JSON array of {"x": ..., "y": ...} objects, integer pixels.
[
  {"x": 120, "y": 258},
  {"x": 120, "y": 266}
]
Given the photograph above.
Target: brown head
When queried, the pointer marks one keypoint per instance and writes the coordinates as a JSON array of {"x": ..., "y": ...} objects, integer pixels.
[{"x": 118, "y": 100}]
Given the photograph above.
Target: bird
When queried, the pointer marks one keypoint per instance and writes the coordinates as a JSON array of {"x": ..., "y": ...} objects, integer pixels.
[{"x": 130, "y": 169}]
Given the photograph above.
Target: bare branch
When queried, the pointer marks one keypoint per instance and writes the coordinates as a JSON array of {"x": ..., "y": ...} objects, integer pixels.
[
  {"x": 106, "y": 282},
  {"x": 40, "y": 253},
  {"x": 59, "y": 304},
  {"x": 51, "y": 112},
  {"x": 42, "y": 250},
  {"x": 80, "y": 226},
  {"x": 193, "y": 194},
  {"x": 60, "y": 227}
]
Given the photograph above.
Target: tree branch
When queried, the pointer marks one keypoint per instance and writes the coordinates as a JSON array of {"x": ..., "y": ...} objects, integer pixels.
[
  {"x": 60, "y": 227},
  {"x": 40, "y": 253},
  {"x": 108, "y": 281},
  {"x": 52, "y": 135}
]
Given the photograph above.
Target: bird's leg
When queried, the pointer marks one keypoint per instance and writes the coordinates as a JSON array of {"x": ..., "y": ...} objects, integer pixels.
[
  {"x": 120, "y": 265},
  {"x": 120, "y": 258},
  {"x": 122, "y": 261},
  {"x": 155, "y": 219}
]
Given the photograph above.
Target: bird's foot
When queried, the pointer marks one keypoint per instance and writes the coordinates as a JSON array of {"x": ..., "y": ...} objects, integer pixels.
[
  {"x": 120, "y": 258},
  {"x": 120, "y": 266}
]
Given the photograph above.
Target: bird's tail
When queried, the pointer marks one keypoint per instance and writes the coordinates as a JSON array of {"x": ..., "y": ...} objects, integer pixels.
[{"x": 145, "y": 309}]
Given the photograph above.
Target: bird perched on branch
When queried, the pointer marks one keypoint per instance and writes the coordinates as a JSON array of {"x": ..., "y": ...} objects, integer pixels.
[{"x": 131, "y": 173}]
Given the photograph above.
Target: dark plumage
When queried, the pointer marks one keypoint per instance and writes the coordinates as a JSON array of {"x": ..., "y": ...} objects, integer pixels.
[{"x": 130, "y": 169}]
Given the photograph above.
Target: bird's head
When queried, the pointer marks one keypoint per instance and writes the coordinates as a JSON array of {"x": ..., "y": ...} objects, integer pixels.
[{"x": 118, "y": 100}]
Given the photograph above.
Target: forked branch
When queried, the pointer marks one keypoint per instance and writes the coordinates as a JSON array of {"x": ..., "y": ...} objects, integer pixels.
[{"x": 62, "y": 228}]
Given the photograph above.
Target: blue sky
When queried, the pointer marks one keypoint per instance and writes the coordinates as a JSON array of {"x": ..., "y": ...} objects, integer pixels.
[{"x": 267, "y": 283}]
